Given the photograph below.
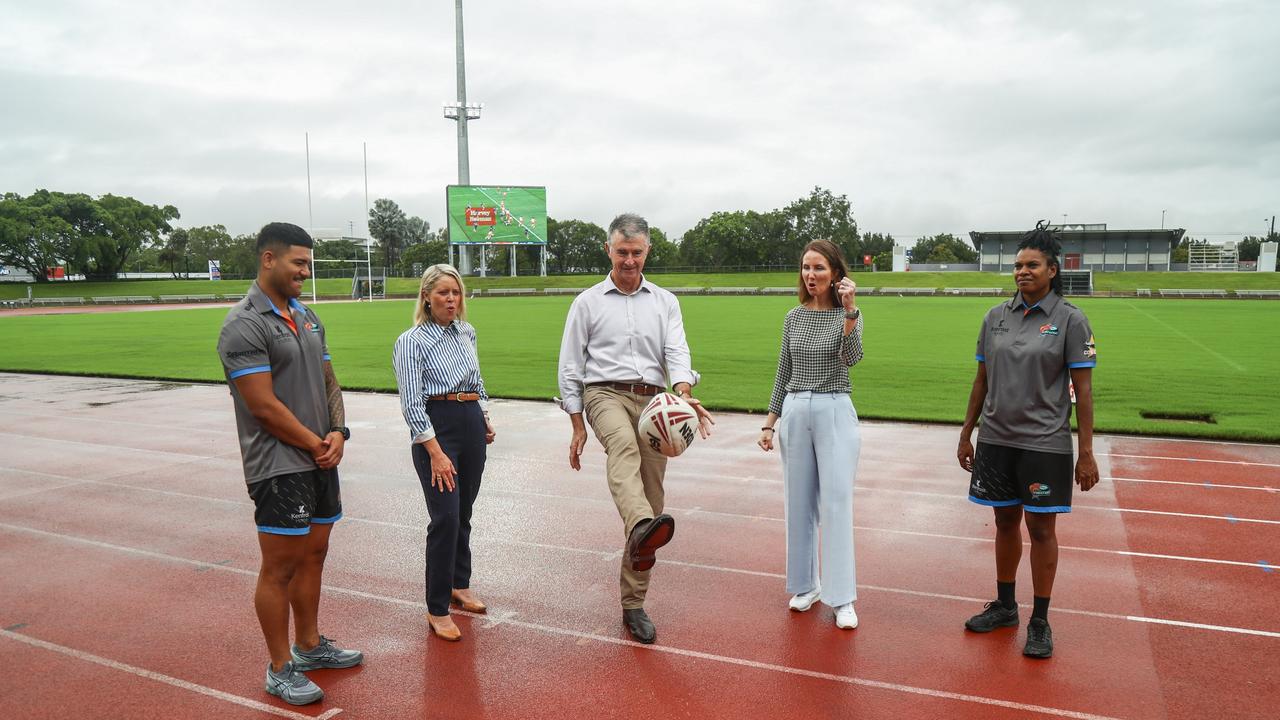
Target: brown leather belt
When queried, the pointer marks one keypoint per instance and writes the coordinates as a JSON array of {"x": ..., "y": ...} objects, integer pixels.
[
  {"x": 634, "y": 388},
  {"x": 458, "y": 397}
]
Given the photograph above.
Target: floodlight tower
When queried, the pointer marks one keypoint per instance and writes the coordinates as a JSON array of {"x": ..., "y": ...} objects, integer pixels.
[{"x": 461, "y": 112}]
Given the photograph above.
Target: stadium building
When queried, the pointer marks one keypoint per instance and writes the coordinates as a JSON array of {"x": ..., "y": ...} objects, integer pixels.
[{"x": 1086, "y": 247}]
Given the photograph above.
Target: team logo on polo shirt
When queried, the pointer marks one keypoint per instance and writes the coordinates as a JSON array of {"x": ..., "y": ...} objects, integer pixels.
[
  {"x": 1039, "y": 490},
  {"x": 1090, "y": 348},
  {"x": 311, "y": 326},
  {"x": 1048, "y": 329}
]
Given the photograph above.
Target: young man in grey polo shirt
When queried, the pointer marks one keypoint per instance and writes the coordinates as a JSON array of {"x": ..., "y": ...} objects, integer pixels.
[
  {"x": 1030, "y": 350},
  {"x": 291, "y": 423}
]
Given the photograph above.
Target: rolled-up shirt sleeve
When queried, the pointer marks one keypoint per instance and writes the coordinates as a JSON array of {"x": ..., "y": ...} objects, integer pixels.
[
  {"x": 409, "y": 369},
  {"x": 573, "y": 349},
  {"x": 676, "y": 349}
]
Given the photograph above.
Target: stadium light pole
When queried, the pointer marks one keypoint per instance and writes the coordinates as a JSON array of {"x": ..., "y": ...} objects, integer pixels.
[{"x": 461, "y": 112}]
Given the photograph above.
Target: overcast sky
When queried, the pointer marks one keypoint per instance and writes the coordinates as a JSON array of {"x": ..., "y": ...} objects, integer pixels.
[{"x": 931, "y": 116}]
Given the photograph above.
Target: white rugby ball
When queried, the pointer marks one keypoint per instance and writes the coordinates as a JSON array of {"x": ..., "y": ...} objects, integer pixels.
[{"x": 668, "y": 424}]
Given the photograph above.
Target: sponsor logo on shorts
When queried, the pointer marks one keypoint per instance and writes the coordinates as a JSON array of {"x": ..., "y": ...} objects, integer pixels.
[
  {"x": 302, "y": 513},
  {"x": 1048, "y": 329},
  {"x": 1039, "y": 490}
]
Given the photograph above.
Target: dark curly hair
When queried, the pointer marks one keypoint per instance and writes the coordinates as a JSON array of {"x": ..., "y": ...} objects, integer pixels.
[{"x": 1046, "y": 241}]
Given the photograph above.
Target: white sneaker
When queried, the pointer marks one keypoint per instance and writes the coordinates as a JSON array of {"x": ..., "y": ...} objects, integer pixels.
[
  {"x": 805, "y": 600},
  {"x": 846, "y": 618}
]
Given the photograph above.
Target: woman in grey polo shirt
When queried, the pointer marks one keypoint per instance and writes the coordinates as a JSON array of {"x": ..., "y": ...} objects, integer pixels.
[
  {"x": 1030, "y": 349},
  {"x": 818, "y": 431}
]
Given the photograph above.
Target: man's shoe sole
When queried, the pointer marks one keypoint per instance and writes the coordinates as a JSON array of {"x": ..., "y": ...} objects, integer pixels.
[{"x": 658, "y": 534}]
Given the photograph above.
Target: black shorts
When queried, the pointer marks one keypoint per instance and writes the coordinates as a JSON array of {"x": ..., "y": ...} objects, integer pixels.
[
  {"x": 1039, "y": 481},
  {"x": 288, "y": 504}
]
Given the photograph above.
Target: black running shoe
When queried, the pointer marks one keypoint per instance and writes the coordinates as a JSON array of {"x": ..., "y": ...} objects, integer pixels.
[
  {"x": 994, "y": 615},
  {"x": 1039, "y": 639}
]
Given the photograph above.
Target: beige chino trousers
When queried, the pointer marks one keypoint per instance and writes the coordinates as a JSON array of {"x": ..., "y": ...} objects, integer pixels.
[{"x": 635, "y": 472}]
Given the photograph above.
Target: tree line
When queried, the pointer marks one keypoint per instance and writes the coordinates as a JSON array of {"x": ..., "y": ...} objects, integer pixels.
[{"x": 103, "y": 237}]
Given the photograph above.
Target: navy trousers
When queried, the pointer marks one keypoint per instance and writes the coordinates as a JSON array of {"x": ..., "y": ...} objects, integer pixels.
[{"x": 460, "y": 430}]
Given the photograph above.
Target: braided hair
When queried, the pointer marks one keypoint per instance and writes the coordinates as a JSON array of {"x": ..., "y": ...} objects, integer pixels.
[{"x": 1046, "y": 241}]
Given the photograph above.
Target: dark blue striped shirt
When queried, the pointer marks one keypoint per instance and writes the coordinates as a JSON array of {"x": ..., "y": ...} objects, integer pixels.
[{"x": 431, "y": 359}]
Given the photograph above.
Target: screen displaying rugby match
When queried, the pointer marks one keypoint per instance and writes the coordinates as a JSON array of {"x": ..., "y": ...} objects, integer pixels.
[{"x": 498, "y": 214}]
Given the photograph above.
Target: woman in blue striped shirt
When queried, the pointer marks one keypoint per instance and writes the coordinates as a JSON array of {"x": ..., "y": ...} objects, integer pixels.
[{"x": 444, "y": 403}]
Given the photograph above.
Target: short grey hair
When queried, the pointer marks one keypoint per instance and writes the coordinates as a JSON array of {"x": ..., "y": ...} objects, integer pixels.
[{"x": 631, "y": 226}]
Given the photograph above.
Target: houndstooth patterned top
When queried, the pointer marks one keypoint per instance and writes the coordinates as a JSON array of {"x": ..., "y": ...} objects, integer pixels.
[{"x": 816, "y": 354}]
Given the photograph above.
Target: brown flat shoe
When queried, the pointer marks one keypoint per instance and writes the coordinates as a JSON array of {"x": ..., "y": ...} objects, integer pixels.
[
  {"x": 444, "y": 628},
  {"x": 471, "y": 606}
]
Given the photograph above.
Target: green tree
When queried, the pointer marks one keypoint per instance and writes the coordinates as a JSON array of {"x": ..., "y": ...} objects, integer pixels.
[
  {"x": 957, "y": 250},
  {"x": 1249, "y": 248},
  {"x": 388, "y": 225},
  {"x": 662, "y": 252},
  {"x": 880, "y": 247},
  {"x": 117, "y": 228},
  {"x": 175, "y": 255},
  {"x": 424, "y": 254},
  {"x": 416, "y": 230},
  {"x": 822, "y": 215},
  {"x": 32, "y": 237},
  {"x": 576, "y": 246}
]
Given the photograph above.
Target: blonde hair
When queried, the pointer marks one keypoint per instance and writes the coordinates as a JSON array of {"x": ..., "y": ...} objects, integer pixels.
[{"x": 432, "y": 275}]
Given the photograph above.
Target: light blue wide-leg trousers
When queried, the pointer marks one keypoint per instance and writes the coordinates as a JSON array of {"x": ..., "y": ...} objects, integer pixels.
[{"x": 819, "y": 440}]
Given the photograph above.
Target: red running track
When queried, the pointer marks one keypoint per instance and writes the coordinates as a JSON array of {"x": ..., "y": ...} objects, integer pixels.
[{"x": 127, "y": 548}]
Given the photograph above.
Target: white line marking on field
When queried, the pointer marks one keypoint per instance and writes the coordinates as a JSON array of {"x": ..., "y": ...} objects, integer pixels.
[
  {"x": 552, "y": 630},
  {"x": 1203, "y": 483},
  {"x": 166, "y": 679},
  {"x": 417, "y": 604},
  {"x": 1228, "y": 518},
  {"x": 1199, "y": 460},
  {"x": 1178, "y": 331}
]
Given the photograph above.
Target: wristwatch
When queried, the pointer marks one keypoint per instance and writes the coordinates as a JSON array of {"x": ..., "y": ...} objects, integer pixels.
[
  {"x": 346, "y": 431},
  {"x": 853, "y": 314}
]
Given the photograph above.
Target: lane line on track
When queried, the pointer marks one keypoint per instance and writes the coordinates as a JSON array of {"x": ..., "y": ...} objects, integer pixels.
[
  {"x": 1201, "y": 460},
  {"x": 512, "y": 621},
  {"x": 206, "y": 565},
  {"x": 1202, "y": 483},
  {"x": 941, "y": 536},
  {"x": 166, "y": 679}
]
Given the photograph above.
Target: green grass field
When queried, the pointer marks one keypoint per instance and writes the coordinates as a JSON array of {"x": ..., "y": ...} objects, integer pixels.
[
  {"x": 1219, "y": 357},
  {"x": 1103, "y": 282},
  {"x": 525, "y": 219}
]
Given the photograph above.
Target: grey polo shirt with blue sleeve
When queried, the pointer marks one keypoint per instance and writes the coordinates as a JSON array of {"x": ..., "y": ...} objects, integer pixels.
[
  {"x": 1028, "y": 353},
  {"x": 255, "y": 338}
]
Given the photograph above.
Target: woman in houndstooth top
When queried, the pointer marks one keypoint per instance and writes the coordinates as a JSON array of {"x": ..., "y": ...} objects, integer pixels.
[{"x": 817, "y": 431}]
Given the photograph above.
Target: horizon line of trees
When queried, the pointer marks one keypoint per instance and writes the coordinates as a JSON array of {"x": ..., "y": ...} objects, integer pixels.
[{"x": 105, "y": 236}]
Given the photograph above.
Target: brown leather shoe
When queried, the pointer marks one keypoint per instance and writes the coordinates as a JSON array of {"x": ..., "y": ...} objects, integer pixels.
[
  {"x": 471, "y": 606},
  {"x": 444, "y": 628},
  {"x": 646, "y": 537}
]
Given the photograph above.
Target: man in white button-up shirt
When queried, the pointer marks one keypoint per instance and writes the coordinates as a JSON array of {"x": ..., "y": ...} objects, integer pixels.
[{"x": 624, "y": 343}]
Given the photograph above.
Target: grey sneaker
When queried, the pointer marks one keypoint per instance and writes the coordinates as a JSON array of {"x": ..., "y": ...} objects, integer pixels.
[
  {"x": 292, "y": 686},
  {"x": 1039, "y": 639},
  {"x": 993, "y": 615},
  {"x": 325, "y": 655}
]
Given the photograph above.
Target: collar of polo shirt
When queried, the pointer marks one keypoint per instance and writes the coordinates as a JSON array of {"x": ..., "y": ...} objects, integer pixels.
[
  {"x": 255, "y": 292},
  {"x": 1047, "y": 303}
]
